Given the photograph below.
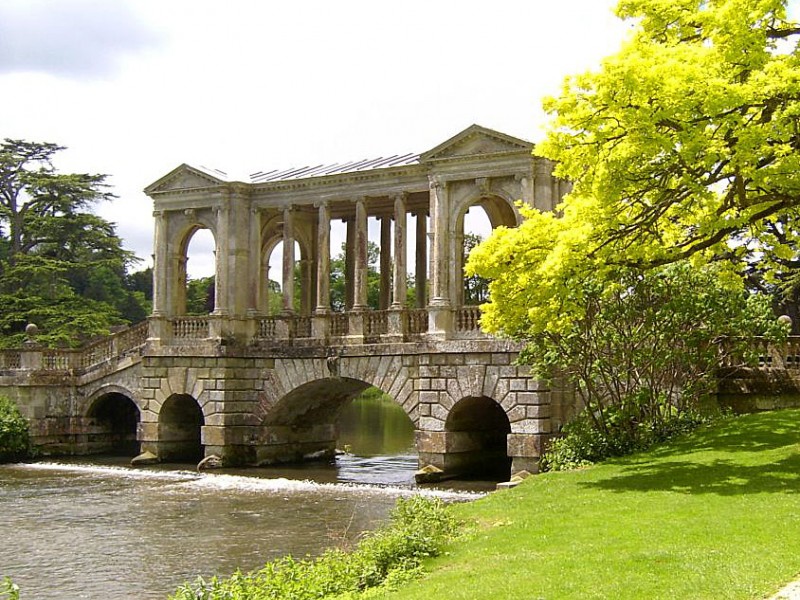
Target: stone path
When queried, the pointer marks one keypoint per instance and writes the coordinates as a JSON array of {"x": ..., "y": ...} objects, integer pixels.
[{"x": 790, "y": 592}]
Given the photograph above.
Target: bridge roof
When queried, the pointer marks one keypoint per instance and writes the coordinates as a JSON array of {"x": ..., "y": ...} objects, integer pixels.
[
  {"x": 474, "y": 141},
  {"x": 396, "y": 160}
]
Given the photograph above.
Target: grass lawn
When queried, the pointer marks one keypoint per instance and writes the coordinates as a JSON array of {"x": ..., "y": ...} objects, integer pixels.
[{"x": 715, "y": 515}]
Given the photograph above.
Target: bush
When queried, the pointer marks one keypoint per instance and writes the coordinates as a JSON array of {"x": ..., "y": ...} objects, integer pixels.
[
  {"x": 14, "y": 437},
  {"x": 584, "y": 444},
  {"x": 419, "y": 528}
]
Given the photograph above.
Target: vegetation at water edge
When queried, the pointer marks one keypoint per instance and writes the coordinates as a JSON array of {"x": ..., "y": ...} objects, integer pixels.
[
  {"x": 419, "y": 529},
  {"x": 14, "y": 436}
]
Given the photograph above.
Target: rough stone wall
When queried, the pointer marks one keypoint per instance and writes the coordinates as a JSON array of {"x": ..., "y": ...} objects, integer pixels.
[
  {"x": 227, "y": 389},
  {"x": 444, "y": 379}
]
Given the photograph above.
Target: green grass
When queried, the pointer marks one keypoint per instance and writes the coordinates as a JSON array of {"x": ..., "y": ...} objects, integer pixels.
[{"x": 714, "y": 515}]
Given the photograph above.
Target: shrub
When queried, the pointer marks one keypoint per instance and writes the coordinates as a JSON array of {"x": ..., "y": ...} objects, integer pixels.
[
  {"x": 14, "y": 438},
  {"x": 418, "y": 528},
  {"x": 584, "y": 444}
]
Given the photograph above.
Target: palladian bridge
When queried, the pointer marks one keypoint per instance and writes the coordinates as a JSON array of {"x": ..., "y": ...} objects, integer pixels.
[{"x": 257, "y": 388}]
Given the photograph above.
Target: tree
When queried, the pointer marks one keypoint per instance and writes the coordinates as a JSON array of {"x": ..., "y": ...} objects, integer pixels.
[
  {"x": 61, "y": 266},
  {"x": 200, "y": 295},
  {"x": 687, "y": 141},
  {"x": 683, "y": 150},
  {"x": 476, "y": 288},
  {"x": 338, "y": 280}
]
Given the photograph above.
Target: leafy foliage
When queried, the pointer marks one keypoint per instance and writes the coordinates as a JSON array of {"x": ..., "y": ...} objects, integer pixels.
[
  {"x": 200, "y": 296},
  {"x": 14, "y": 439},
  {"x": 638, "y": 346},
  {"x": 584, "y": 444},
  {"x": 686, "y": 141},
  {"x": 419, "y": 528},
  {"x": 61, "y": 266}
]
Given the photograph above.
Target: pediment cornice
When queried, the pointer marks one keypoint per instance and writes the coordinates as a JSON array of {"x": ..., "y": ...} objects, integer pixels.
[{"x": 476, "y": 141}]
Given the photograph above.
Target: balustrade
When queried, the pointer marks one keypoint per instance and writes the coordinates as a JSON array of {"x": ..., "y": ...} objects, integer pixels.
[
  {"x": 376, "y": 322},
  {"x": 417, "y": 321},
  {"x": 96, "y": 353},
  {"x": 302, "y": 327},
  {"x": 57, "y": 359},
  {"x": 10, "y": 359},
  {"x": 193, "y": 328},
  {"x": 467, "y": 318},
  {"x": 340, "y": 325},
  {"x": 267, "y": 328}
]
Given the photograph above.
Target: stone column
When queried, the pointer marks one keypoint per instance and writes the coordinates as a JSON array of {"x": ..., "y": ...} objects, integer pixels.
[
  {"x": 222, "y": 268},
  {"x": 178, "y": 296},
  {"x": 349, "y": 262},
  {"x": 440, "y": 314},
  {"x": 360, "y": 274},
  {"x": 421, "y": 260},
  {"x": 257, "y": 288},
  {"x": 386, "y": 262},
  {"x": 288, "y": 261},
  {"x": 306, "y": 291},
  {"x": 542, "y": 185},
  {"x": 399, "y": 290},
  {"x": 396, "y": 323},
  {"x": 160, "y": 266},
  {"x": 323, "y": 303},
  {"x": 320, "y": 324}
]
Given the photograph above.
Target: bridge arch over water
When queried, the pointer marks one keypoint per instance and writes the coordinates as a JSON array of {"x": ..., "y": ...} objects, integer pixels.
[{"x": 113, "y": 421}]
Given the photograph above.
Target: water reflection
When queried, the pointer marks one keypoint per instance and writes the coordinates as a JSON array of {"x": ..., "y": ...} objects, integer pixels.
[{"x": 375, "y": 425}]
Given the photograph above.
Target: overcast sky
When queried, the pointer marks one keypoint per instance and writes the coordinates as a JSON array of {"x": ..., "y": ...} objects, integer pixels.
[{"x": 135, "y": 88}]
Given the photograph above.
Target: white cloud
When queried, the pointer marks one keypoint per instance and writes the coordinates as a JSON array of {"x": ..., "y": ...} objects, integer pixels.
[{"x": 71, "y": 38}]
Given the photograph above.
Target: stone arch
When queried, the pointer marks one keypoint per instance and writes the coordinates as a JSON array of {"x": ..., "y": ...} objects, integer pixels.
[
  {"x": 113, "y": 420},
  {"x": 271, "y": 237},
  {"x": 302, "y": 398},
  {"x": 187, "y": 229},
  {"x": 180, "y": 421},
  {"x": 499, "y": 209},
  {"x": 477, "y": 429},
  {"x": 385, "y": 372}
]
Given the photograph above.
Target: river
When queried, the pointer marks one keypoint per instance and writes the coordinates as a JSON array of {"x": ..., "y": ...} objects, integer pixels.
[{"x": 95, "y": 528}]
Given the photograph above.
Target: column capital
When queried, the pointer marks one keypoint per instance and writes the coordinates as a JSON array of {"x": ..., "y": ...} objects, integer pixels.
[{"x": 435, "y": 182}]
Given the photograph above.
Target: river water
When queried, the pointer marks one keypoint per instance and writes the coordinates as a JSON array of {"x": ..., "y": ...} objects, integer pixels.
[{"x": 96, "y": 528}]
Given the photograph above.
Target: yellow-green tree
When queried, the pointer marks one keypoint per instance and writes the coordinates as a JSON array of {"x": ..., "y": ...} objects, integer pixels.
[
  {"x": 687, "y": 140},
  {"x": 683, "y": 149}
]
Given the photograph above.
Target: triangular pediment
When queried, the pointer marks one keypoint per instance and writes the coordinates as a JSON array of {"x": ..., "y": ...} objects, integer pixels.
[
  {"x": 476, "y": 141},
  {"x": 186, "y": 177}
]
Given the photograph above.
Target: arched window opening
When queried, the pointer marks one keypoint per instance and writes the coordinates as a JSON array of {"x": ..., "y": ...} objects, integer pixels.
[
  {"x": 477, "y": 227},
  {"x": 199, "y": 272}
]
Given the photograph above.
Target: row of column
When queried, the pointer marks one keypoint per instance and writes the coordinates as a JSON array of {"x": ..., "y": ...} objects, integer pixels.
[{"x": 393, "y": 286}]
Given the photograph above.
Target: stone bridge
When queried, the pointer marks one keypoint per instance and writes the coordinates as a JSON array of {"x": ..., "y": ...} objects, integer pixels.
[{"x": 255, "y": 386}]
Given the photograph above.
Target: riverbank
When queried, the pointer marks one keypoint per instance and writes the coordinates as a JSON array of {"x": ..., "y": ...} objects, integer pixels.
[{"x": 715, "y": 515}]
